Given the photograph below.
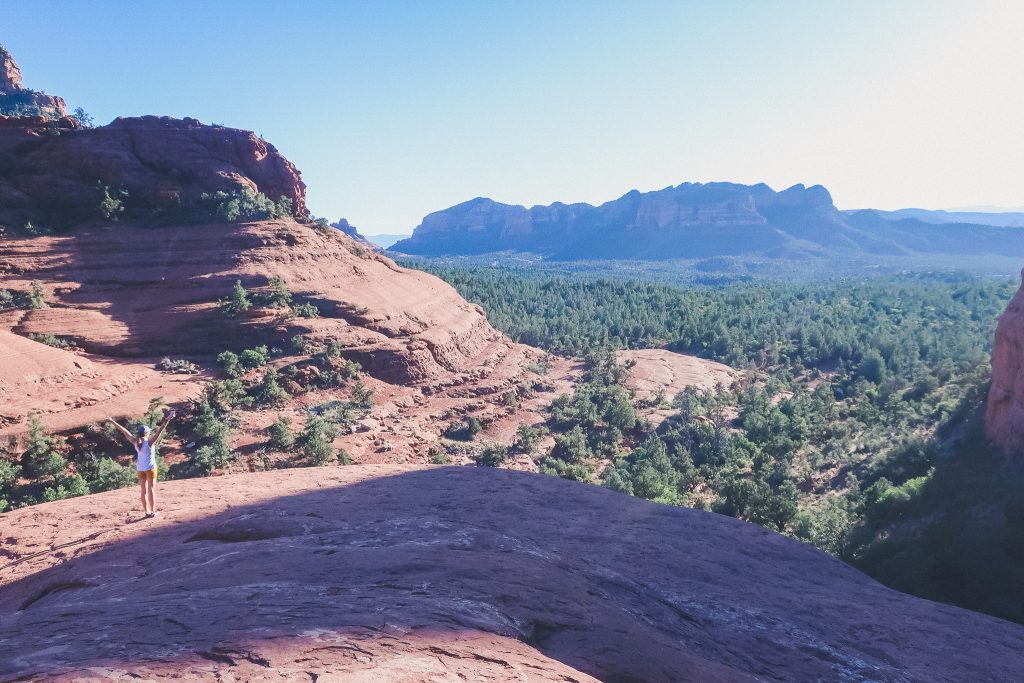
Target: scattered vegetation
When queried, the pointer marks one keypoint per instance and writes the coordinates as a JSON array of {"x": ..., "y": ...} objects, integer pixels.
[
  {"x": 237, "y": 302},
  {"x": 84, "y": 119},
  {"x": 317, "y": 436},
  {"x": 238, "y": 206},
  {"x": 52, "y": 340},
  {"x": 40, "y": 472},
  {"x": 268, "y": 391},
  {"x": 281, "y": 437},
  {"x": 465, "y": 430},
  {"x": 235, "y": 365},
  {"x": 111, "y": 206},
  {"x": 527, "y": 438},
  {"x": 35, "y": 298},
  {"x": 211, "y": 425},
  {"x": 305, "y": 310},
  {"x": 494, "y": 455},
  {"x": 279, "y": 296},
  {"x": 37, "y": 295},
  {"x": 179, "y": 366}
]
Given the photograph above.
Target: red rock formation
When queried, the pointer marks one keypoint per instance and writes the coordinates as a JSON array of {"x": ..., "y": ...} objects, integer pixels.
[
  {"x": 127, "y": 296},
  {"x": 53, "y": 171},
  {"x": 133, "y": 292},
  {"x": 10, "y": 74},
  {"x": 15, "y": 97},
  {"x": 403, "y": 574},
  {"x": 353, "y": 232},
  {"x": 1004, "y": 417}
]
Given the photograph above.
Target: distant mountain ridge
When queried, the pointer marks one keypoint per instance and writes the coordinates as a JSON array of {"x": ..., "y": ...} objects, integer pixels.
[
  {"x": 1002, "y": 219},
  {"x": 697, "y": 220}
]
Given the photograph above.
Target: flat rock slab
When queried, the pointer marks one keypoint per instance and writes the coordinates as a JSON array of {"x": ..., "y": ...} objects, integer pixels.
[
  {"x": 397, "y": 573},
  {"x": 657, "y": 371}
]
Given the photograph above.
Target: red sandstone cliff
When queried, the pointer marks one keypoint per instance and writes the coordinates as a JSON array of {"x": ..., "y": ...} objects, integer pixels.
[{"x": 1004, "y": 417}]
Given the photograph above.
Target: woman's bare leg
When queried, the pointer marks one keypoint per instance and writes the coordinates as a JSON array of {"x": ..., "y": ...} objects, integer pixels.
[
  {"x": 151, "y": 493},
  {"x": 142, "y": 495}
]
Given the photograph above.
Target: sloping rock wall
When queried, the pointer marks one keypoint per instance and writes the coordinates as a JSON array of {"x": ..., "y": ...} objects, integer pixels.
[{"x": 1004, "y": 416}]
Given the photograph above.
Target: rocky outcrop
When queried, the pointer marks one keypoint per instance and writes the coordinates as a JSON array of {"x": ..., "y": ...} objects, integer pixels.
[
  {"x": 126, "y": 296},
  {"x": 16, "y": 99},
  {"x": 1004, "y": 416},
  {"x": 353, "y": 232},
  {"x": 695, "y": 220},
  {"x": 135, "y": 269},
  {"x": 412, "y": 574},
  {"x": 55, "y": 174},
  {"x": 10, "y": 74},
  {"x": 136, "y": 292}
]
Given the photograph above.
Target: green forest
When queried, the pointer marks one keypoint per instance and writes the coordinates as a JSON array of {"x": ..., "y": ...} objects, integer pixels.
[{"x": 856, "y": 426}]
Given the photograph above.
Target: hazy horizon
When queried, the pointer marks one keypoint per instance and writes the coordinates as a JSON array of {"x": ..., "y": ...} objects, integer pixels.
[{"x": 396, "y": 110}]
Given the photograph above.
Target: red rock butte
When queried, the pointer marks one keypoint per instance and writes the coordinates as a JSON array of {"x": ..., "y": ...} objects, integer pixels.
[{"x": 450, "y": 573}]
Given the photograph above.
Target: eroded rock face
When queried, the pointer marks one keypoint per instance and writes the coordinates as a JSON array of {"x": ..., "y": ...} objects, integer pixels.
[
  {"x": 126, "y": 297},
  {"x": 10, "y": 74},
  {"x": 412, "y": 574},
  {"x": 353, "y": 232},
  {"x": 144, "y": 292},
  {"x": 16, "y": 98},
  {"x": 54, "y": 173},
  {"x": 1004, "y": 416}
]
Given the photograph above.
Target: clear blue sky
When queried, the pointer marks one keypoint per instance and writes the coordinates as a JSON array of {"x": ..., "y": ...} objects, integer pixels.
[{"x": 395, "y": 109}]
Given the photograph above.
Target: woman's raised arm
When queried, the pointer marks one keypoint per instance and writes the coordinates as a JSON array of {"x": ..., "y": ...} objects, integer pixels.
[{"x": 127, "y": 434}]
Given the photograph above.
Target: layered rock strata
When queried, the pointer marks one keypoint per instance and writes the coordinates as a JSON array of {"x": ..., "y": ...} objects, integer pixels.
[{"x": 56, "y": 173}]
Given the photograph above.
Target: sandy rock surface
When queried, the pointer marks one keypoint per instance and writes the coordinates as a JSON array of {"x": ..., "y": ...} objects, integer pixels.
[
  {"x": 412, "y": 574},
  {"x": 658, "y": 370}
]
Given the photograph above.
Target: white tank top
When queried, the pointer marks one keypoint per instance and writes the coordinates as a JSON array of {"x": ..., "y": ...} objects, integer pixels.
[{"x": 145, "y": 457}]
